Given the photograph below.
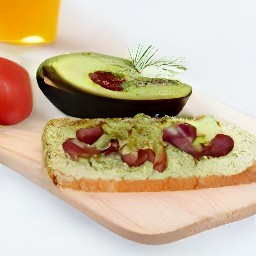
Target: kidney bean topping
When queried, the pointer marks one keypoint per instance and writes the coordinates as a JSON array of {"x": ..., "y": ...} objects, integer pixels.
[
  {"x": 160, "y": 163},
  {"x": 183, "y": 135},
  {"x": 89, "y": 135},
  {"x": 76, "y": 149},
  {"x": 114, "y": 147},
  {"x": 138, "y": 158},
  {"x": 220, "y": 145}
]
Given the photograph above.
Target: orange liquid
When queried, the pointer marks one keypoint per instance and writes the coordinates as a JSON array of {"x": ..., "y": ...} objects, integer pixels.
[{"x": 28, "y": 21}]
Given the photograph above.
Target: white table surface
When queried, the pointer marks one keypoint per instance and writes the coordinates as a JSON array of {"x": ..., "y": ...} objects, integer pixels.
[{"x": 217, "y": 37}]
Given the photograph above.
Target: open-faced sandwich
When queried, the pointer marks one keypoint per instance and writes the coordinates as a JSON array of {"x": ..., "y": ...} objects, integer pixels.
[{"x": 147, "y": 154}]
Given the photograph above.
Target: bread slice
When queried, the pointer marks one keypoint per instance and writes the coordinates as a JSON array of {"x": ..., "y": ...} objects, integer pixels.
[{"x": 109, "y": 173}]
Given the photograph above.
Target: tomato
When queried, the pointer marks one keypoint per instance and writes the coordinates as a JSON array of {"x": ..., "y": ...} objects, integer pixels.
[{"x": 15, "y": 93}]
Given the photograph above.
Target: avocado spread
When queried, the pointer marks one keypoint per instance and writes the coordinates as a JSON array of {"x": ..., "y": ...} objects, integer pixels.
[{"x": 143, "y": 131}]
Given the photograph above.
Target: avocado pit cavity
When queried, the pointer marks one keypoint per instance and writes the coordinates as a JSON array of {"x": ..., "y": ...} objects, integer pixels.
[{"x": 107, "y": 80}]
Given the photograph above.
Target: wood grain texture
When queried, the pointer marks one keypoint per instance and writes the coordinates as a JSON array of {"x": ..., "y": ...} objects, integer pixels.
[{"x": 151, "y": 218}]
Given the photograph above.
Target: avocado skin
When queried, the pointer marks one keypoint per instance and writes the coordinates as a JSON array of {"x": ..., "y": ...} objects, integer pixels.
[{"x": 84, "y": 105}]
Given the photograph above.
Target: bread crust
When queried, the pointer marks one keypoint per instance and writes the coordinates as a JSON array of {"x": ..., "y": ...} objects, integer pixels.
[{"x": 169, "y": 184}]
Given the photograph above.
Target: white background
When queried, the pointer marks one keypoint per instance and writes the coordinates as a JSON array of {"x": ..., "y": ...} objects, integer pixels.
[{"x": 217, "y": 37}]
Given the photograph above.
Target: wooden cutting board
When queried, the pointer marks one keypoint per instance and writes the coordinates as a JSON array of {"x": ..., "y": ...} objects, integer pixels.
[{"x": 151, "y": 218}]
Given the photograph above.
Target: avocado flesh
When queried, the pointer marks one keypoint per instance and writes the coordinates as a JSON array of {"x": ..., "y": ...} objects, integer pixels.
[{"x": 71, "y": 72}]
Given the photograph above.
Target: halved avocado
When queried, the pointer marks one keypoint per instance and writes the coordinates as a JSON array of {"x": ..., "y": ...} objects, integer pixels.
[{"x": 67, "y": 81}]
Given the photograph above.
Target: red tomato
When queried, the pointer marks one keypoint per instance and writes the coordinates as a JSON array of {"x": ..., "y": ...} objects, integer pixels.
[{"x": 15, "y": 93}]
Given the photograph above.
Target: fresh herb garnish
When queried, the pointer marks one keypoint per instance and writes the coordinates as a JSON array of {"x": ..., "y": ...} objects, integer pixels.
[{"x": 145, "y": 62}]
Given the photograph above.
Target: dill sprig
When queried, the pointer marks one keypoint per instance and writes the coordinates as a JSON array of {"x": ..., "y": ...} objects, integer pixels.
[{"x": 147, "y": 64}]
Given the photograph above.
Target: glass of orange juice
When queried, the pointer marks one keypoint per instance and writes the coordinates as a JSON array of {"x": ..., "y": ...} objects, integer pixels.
[{"x": 28, "y": 21}]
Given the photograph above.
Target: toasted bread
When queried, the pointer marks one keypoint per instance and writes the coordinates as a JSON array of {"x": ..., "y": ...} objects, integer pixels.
[{"x": 109, "y": 173}]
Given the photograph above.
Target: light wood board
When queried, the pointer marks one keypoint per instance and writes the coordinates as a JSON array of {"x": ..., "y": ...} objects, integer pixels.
[{"x": 151, "y": 218}]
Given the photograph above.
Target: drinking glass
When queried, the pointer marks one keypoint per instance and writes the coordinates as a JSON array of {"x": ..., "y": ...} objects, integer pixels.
[{"x": 28, "y": 21}]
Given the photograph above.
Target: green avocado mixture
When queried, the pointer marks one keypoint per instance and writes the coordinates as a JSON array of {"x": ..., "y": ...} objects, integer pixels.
[
  {"x": 71, "y": 71},
  {"x": 147, "y": 132}
]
